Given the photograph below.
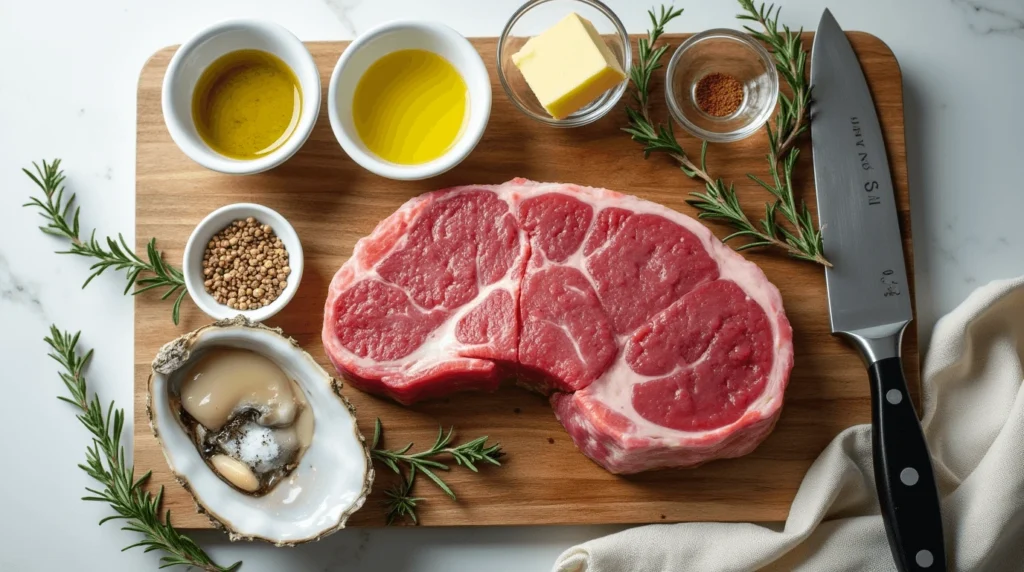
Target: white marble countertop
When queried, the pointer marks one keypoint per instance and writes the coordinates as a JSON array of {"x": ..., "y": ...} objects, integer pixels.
[{"x": 68, "y": 90}]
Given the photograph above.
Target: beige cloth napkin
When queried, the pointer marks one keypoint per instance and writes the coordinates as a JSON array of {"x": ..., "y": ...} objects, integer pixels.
[{"x": 974, "y": 424}]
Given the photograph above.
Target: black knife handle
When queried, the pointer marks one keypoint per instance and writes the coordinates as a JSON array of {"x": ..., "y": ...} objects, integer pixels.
[{"x": 903, "y": 473}]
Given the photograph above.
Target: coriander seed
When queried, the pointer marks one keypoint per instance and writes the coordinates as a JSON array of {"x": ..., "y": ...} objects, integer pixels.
[{"x": 245, "y": 265}]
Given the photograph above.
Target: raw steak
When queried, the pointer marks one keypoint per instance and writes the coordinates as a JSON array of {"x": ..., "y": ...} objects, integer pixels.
[{"x": 658, "y": 345}]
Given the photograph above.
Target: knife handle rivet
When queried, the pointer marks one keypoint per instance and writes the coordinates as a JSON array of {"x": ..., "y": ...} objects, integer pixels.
[
  {"x": 924, "y": 558},
  {"x": 909, "y": 476},
  {"x": 894, "y": 396}
]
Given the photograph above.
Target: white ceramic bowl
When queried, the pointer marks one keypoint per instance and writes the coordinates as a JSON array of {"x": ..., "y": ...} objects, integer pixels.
[
  {"x": 192, "y": 265},
  {"x": 406, "y": 35},
  {"x": 195, "y": 55}
]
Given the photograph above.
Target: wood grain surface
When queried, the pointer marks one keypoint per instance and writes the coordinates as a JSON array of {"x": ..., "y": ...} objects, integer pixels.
[{"x": 544, "y": 480}]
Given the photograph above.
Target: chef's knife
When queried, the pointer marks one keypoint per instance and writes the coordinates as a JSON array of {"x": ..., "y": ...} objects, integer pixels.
[{"x": 868, "y": 295}]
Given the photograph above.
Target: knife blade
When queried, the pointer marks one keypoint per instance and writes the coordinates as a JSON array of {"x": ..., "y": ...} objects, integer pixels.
[{"x": 868, "y": 295}]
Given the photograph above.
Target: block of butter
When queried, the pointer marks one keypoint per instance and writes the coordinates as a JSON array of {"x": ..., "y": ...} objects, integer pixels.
[{"x": 568, "y": 66}]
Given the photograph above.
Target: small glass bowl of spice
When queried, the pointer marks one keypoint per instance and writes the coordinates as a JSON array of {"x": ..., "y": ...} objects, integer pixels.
[
  {"x": 243, "y": 259},
  {"x": 721, "y": 85}
]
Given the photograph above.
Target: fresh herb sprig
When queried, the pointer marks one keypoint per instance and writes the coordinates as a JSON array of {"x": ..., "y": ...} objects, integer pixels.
[
  {"x": 791, "y": 121},
  {"x": 142, "y": 275},
  {"x": 649, "y": 61},
  {"x": 401, "y": 503},
  {"x": 791, "y": 61},
  {"x": 106, "y": 464},
  {"x": 719, "y": 201}
]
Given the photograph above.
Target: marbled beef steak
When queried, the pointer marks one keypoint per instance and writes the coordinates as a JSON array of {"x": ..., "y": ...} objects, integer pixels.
[{"x": 658, "y": 345}]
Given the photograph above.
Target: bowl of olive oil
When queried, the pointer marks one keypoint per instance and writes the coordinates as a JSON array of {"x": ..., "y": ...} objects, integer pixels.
[
  {"x": 241, "y": 97},
  {"x": 409, "y": 100}
]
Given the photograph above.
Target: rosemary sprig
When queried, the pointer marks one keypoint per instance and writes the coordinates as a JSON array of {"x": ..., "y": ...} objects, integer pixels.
[
  {"x": 791, "y": 60},
  {"x": 792, "y": 120},
  {"x": 467, "y": 455},
  {"x": 141, "y": 274},
  {"x": 649, "y": 59},
  {"x": 106, "y": 464},
  {"x": 719, "y": 201},
  {"x": 400, "y": 502}
]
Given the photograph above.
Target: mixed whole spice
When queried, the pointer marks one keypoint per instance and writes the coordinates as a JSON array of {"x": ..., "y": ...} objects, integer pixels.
[{"x": 245, "y": 266}]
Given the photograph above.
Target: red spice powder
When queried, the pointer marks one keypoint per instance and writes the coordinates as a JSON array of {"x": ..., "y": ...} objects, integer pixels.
[{"x": 719, "y": 94}]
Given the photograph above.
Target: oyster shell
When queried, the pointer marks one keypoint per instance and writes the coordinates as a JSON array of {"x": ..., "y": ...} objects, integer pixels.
[{"x": 321, "y": 486}]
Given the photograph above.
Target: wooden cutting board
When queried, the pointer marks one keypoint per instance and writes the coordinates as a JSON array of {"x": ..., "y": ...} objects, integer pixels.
[{"x": 544, "y": 480}]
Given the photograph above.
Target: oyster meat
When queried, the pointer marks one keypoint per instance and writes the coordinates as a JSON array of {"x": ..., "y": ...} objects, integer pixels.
[
  {"x": 238, "y": 404},
  {"x": 258, "y": 433}
]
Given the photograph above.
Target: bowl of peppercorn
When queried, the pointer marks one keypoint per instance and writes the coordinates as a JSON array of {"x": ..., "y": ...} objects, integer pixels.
[
  {"x": 243, "y": 259},
  {"x": 721, "y": 85}
]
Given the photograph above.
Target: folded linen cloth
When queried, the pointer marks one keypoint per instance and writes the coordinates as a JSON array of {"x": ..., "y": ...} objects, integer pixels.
[{"x": 974, "y": 424}]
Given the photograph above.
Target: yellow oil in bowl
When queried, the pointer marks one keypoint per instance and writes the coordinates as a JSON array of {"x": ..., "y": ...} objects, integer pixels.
[
  {"x": 410, "y": 106},
  {"x": 246, "y": 104}
]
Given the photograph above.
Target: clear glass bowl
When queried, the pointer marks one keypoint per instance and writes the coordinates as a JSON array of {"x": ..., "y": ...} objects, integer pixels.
[
  {"x": 536, "y": 16},
  {"x": 729, "y": 52}
]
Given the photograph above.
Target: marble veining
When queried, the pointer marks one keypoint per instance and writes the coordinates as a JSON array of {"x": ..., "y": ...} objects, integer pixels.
[
  {"x": 17, "y": 291},
  {"x": 993, "y": 17},
  {"x": 343, "y": 11},
  {"x": 348, "y": 553}
]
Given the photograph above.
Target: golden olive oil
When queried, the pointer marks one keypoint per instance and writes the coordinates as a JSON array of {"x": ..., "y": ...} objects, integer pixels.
[
  {"x": 410, "y": 106},
  {"x": 246, "y": 104}
]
